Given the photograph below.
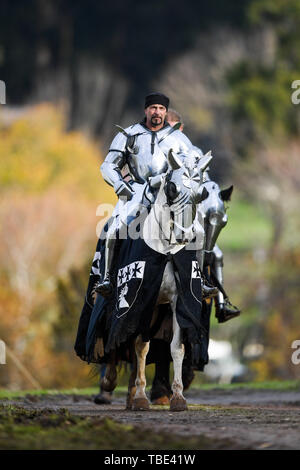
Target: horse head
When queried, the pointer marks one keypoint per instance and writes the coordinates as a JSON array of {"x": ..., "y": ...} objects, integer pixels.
[
  {"x": 173, "y": 221},
  {"x": 185, "y": 176},
  {"x": 184, "y": 190},
  {"x": 214, "y": 211}
]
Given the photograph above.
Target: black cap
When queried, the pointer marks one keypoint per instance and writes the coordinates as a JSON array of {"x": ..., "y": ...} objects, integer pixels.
[{"x": 157, "y": 98}]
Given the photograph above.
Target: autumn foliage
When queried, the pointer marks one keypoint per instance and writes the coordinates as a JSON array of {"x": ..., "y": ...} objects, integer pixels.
[{"x": 50, "y": 187}]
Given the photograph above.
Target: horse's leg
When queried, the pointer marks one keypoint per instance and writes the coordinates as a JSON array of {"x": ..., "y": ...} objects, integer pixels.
[
  {"x": 109, "y": 381},
  {"x": 131, "y": 385},
  {"x": 140, "y": 401},
  {"x": 177, "y": 402},
  {"x": 161, "y": 388}
]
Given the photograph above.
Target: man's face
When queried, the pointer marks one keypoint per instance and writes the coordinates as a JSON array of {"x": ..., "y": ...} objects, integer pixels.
[{"x": 155, "y": 116}]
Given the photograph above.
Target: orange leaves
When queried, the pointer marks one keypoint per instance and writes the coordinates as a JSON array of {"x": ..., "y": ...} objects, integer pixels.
[{"x": 50, "y": 187}]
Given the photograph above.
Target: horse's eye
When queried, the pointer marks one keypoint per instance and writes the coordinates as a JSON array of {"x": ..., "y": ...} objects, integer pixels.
[
  {"x": 201, "y": 195},
  {"x": 171, "y": 190}
]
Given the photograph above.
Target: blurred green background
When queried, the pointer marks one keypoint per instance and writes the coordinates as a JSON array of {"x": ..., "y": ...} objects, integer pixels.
[{"x": 72, "y": 70}]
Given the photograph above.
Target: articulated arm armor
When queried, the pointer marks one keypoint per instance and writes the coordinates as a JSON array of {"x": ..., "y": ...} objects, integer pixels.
[{"x": 114, "y": 162}]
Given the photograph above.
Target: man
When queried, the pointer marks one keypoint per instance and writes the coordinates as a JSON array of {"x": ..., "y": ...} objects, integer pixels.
[
  {"x": 144, "y": 148},
  {"x": 224, "y": 309}
]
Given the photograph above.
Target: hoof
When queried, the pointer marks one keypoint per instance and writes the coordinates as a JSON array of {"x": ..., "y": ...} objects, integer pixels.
[
  {"x": 102, "y": 398},
  {"x": 140, "y": 404},
  {"x": 161, "y": 401},
  {"x": 178, "y": 404}
]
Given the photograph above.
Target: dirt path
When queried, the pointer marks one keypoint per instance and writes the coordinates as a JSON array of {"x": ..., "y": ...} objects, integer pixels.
[{"x": 249, "y": 419}]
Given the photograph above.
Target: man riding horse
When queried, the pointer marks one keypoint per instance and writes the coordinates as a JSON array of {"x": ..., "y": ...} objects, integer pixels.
[{"x": 144, "y": 148}]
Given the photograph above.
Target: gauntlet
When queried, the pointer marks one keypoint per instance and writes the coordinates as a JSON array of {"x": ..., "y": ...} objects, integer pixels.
[{"x": 123, "y": 189}]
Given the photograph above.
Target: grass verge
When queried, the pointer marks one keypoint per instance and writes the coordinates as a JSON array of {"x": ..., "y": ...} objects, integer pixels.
[{"x": 22, "y": 429}]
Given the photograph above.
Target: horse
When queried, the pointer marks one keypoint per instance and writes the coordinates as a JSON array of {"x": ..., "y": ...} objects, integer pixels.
[
  {"x": 172, "y": 224},
  {"x": 214, "y": 217}
]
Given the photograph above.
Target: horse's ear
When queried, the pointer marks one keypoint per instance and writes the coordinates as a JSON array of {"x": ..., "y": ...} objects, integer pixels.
[
  {"x": 205, "y": 161},
  {"x": 225, "y": 194},
  {"x": 174, "y": 161}
]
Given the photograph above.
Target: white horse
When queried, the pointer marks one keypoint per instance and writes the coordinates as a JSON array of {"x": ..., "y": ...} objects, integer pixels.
[{"x": 172, "y": 224}]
